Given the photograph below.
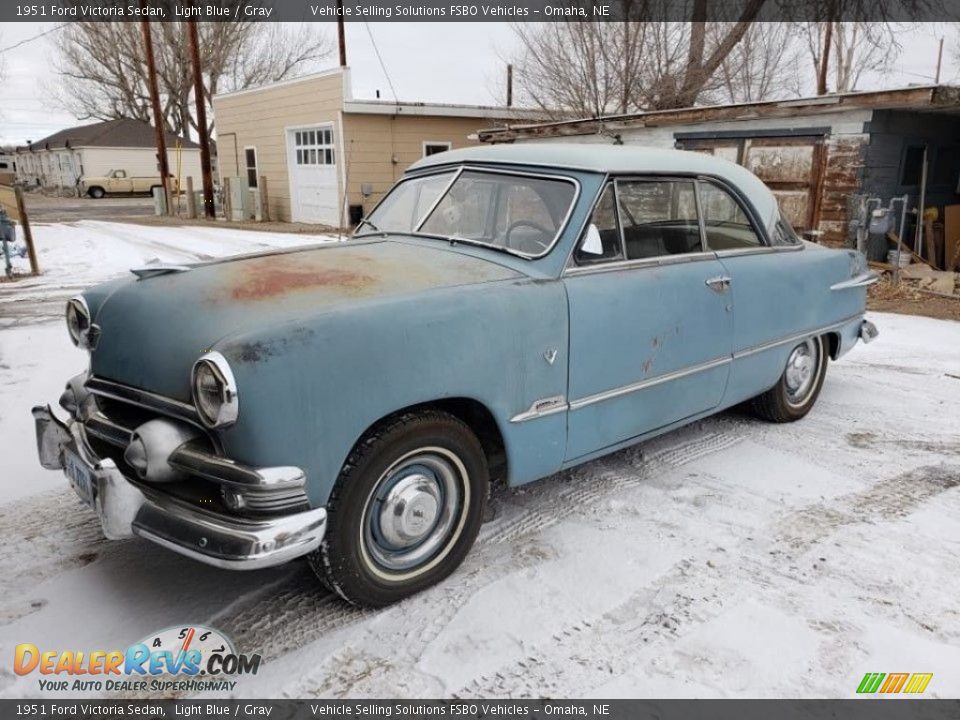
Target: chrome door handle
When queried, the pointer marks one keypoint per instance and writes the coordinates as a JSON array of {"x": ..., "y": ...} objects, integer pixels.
[{"x": 719, "y": 284}]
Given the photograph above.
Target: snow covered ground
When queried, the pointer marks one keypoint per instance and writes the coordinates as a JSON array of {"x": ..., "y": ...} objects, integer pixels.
[
  {"x": 732, "y": 558},
  {"x": 73, "y": 256}
]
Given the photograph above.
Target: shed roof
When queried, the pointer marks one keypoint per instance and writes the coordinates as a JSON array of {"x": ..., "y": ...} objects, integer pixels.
[
  {"x": 125, "y": 132},
  {"x": 928, "y": 98}
]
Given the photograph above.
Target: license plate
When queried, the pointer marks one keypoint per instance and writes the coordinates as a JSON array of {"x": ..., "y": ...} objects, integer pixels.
[{"x": 80, "y": 476}]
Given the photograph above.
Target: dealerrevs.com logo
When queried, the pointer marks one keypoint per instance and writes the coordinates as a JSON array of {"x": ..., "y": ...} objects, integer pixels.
[
  {"x": 191, "y": 659},
  {"x": 894, "y": 683}
]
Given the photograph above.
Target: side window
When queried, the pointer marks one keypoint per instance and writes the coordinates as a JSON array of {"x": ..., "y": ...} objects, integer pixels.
[
  {"x": 659, "y": 217},
  {"x": 120, "y": 174},
  {"x": 250, "y": 157},
  {"x": 726, "y": 225},
  {"x": 601, "y": 241}
]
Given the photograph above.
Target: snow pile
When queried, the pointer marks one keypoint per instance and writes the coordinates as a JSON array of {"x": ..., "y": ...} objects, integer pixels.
[{"x": 74, "y": 256}]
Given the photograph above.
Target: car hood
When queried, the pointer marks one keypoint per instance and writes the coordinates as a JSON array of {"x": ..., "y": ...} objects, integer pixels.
[{"x": 153, "y": 329}]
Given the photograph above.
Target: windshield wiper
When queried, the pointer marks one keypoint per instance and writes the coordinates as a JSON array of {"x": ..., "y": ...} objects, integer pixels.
[{"x": 454, "y": 239}]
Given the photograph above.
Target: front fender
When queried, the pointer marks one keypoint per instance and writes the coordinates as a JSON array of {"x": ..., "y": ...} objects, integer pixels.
[{"x": 309, "y": 389}]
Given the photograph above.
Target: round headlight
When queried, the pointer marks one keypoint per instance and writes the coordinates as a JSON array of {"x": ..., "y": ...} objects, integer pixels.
[
  {"x": 78, "y": 321},
  {"x": 215, "y": 391}
]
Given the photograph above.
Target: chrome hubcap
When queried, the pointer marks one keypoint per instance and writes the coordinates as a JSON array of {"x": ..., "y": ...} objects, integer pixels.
[
  {"x": 801, "y": 371},
  {"x": 413, "y": 511},
  {"x": 410, "y": 510}
]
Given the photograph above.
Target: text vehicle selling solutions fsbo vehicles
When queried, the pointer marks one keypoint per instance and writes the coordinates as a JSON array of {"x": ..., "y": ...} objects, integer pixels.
[{"x": 504, "y": 313}]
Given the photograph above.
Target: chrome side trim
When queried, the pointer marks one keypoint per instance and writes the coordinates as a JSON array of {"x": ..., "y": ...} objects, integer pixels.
[
  {"x": 542, "y": 408},
  {"x": 150, "y": 271},
  {"x": 710, "y": 364},
  {"x": 142, "y": 398},
  {"x": 862, "y": 280},
  {"x": 650, "y": 382},
  {"x": 641, "y": 263},
  {"x": 794, "y": 338},
  {"x": 765, "y": 250}
]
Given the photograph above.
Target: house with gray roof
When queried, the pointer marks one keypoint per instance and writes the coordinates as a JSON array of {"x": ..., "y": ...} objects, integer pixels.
[{"x": 61, "y": 159}]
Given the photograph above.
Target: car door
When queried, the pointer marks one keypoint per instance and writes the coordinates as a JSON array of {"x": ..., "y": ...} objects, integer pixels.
[
  {"x": 650, "y": 320},
  {"x": 776, "y": 291},
  {"x": 120, "y": 183}
]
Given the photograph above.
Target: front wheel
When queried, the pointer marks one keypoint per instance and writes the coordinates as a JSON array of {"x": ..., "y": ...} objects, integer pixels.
[
  {"x": 405, "y": 510},
  {"x": 96, "y": 192},
  {"x": 798, "y": 387}
]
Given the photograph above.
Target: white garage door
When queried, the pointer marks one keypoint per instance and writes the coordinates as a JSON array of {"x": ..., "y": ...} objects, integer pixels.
[{"x": 312, "y": 160}]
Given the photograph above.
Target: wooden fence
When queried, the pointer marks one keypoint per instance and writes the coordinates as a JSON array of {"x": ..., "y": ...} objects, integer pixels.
[{"x": 11, "y": 200}]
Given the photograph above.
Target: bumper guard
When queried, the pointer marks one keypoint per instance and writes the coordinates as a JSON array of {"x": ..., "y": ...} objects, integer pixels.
[{"x": 124, "y": 510}]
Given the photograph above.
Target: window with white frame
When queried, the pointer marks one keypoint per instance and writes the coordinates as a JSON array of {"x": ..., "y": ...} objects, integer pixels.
[
  {"x": 432, "y": 147},
  {"x": 314, "y": 147},
  {"x": 250, "y": 158}
]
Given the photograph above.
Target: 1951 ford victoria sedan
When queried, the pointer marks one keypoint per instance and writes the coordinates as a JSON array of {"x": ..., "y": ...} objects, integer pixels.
[{"x": 505, "y": 312}]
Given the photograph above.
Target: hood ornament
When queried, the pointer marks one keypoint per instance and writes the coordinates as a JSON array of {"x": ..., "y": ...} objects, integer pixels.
[
  {"x": 160, "y": 269},
  {"x": 550, "y": 355}
]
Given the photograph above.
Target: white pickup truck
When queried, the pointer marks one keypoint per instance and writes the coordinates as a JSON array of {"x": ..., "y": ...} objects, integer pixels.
[{"x": 117, "y": 182}]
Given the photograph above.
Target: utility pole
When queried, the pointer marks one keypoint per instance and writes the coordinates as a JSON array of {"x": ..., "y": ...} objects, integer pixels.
[
  {"x": 202, "y": 130},
  {"x": 939, "y": 62},
  {"x": 341, "y": 35},
  {"x": 509, "y": 85},
  {"x": 158, "y": 123}
]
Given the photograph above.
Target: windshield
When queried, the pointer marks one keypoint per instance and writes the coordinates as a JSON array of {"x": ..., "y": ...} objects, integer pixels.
[{"x": 516, "y": 213}]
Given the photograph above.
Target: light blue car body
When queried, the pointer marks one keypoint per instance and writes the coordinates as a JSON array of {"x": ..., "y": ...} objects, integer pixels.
[{"x": 552, "y": 365}]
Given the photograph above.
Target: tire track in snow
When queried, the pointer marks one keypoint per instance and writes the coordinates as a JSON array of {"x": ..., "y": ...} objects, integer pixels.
[
  {"x": 50, "y": 533},
  {"x": 588, "y": 653},
  {"x": 44, "y": 535},
  {"x": 415, "y": 623}
]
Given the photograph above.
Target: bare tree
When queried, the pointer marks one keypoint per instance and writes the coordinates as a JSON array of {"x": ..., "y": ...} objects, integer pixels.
[
  {"x": 103, "y": 71},
  {"x": 856, "y": 49},
  {"x": 764, "y": 65},
  {"x": 594, "y": 68}
]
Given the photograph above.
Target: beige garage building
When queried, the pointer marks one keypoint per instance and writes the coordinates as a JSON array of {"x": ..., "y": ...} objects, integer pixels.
[{"x": 327, "y": 156}]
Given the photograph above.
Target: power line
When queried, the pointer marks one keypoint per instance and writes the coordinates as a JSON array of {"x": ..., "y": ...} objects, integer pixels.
[
  {"x": 382, "y": 64},
  {"x": 31, "y": 39}
]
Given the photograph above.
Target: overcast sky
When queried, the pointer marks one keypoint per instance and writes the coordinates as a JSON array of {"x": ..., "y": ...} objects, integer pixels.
[{"x": 440, "y": 62}]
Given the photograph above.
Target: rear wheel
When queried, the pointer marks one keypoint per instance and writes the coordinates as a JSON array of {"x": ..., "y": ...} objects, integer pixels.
[
  {"x": 798, "y": 388},
  {"x": 405, "y": 510}
]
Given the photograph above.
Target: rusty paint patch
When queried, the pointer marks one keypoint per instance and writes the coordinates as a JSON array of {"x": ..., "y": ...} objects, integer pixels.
[
  {"x": 257, "y": 351},
  {"x": 270, "y": 277}
]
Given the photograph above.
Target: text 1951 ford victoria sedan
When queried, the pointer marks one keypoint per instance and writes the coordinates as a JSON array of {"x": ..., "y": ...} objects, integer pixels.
[{"x": 504, "y": 313}]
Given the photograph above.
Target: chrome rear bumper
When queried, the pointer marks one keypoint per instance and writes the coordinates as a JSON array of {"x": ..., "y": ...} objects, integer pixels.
[{"x": 126, "y": 510}]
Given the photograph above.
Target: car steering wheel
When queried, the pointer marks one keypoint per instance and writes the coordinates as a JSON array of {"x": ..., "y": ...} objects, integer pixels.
[{"x": 529, "y": 224}]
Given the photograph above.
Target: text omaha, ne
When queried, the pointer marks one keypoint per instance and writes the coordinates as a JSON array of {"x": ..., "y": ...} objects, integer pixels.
[{"x": 456, "y": 11}]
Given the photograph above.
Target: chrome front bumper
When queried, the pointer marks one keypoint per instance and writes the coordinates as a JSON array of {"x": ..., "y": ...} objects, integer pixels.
[{"x": 124, "y": 510}]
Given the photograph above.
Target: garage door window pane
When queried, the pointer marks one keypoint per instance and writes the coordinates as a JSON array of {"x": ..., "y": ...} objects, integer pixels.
[
  {"x": 314, "y": 147},
  {"x": 659, "y": 217},
  {"x": 725, "y": 222}
]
